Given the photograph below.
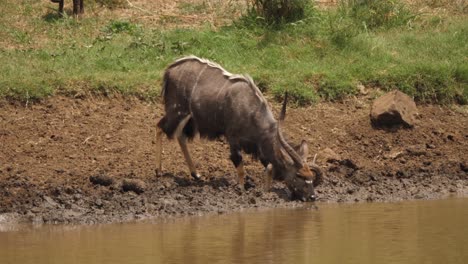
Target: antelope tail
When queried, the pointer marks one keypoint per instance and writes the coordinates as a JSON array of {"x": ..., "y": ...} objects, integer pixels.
[{"x": 283, "y": 108}]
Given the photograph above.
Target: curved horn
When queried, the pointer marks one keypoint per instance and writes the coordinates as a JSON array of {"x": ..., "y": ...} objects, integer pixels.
[
  {"x": 318, "y": 174},
  {"x": 295, "y": 157},
  {"x": 283, "y": 108}
]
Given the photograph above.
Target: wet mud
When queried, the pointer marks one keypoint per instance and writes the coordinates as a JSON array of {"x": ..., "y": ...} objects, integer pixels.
[{"x": 92, "y": 160}]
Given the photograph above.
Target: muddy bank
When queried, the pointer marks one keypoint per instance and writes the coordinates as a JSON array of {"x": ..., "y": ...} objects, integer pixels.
[{"x": 71, "y": 161}]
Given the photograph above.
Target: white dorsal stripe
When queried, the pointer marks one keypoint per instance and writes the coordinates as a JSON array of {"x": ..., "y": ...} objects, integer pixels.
[
  {"x": 211, "y": 64},
  {"x": 230, "y": 76}
]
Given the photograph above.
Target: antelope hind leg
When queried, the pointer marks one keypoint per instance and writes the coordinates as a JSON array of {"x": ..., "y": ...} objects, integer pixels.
[
  {"x": 183, "y": 146},
  {"x": 179, "y": 134},
  {"x": 159, "y": 134}
]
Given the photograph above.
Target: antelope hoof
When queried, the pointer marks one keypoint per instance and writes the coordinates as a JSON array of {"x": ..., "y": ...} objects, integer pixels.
[
  {"x": 158, "y": 173},
  {"x": 196, "y": 176},
  {"x": 240, "y": 188}
]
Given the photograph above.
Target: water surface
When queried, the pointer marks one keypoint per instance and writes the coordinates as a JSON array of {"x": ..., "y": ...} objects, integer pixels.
[{"x": 406, "y": 232}]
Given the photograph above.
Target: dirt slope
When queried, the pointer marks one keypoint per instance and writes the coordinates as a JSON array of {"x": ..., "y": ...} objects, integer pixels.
[{"x": 48, "y": 151}]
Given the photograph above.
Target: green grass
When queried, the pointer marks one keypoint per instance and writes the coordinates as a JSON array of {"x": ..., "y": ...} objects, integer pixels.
[{"x": 322, "y": 57}]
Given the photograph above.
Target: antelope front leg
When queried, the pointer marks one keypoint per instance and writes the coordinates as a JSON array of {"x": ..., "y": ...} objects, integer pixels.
[
  {"x": 61, "y": 7},
  {"x": 241, "y": 174},
  {"x": 159, "y": 134},
  {"x": 183, "y": 146},
  {"x": 268, "y": 177},
  {"x": 76, "y": 6},
  {"x": 236, "y": 159},
  {"x": 81, "y": 7}
]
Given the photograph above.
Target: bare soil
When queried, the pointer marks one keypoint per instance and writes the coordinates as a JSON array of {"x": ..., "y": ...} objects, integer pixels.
[{"x": 91, "y": 160}]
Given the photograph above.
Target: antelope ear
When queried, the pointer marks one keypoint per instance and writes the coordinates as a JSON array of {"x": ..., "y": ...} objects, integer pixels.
[{"x": 303, "y": 150}]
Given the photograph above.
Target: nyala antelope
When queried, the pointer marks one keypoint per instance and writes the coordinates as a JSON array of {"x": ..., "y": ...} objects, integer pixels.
[{"x": 201, "y": 97}]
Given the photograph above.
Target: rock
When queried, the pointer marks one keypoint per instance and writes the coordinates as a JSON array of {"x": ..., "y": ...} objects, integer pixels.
[
  {"x": 137, "y": 186},
  {"x": 362, "y": 89},
  {"x": 430, "y": 146},
  {"x": 464, "y": 166},
  {"x": 402, "y": 174},
  {"x": 350, "y": 164},
  {"x": 77, "y": 208},
  {"x": 71, "y": 214},
  {"x": 416, "y": 150},
  {"x": 98, "y": 203},
  {"x": 419, "y": 196},
  {"x": 361, "y": 177},
  {"x": 393, "y": 154},
  {"x": 451, "y": 137},
  {"x": 249, "y": 183},
  {"x": 394, "y": 109},
  {"x": 49, "y": 202},
  {"x": 103, "y": 180},
  {"x": 328, "y": 155},
  {"x": 36, "y": 210}
]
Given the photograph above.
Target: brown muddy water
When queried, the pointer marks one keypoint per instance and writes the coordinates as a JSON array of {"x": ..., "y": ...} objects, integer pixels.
[{"x": 405, "y": 232}]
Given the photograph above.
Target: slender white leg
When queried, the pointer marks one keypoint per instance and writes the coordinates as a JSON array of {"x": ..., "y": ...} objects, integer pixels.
[
  {"x": 182, "y": 139},
  {"x": 183, "y": 146}
]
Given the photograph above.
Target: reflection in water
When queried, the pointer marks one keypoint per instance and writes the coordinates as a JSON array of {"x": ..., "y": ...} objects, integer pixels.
[{"x": 407, "y": 232}]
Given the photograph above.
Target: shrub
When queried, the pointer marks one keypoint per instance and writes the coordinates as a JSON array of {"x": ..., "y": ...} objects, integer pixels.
[
  {"x": 278, "y": 11},
  {"x": 373, "y": 14},
  {"x": 119, "y": 26}
]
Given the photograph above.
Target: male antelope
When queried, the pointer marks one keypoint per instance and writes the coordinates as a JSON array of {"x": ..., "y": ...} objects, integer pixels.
[{"x": 202, "y": 97}]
